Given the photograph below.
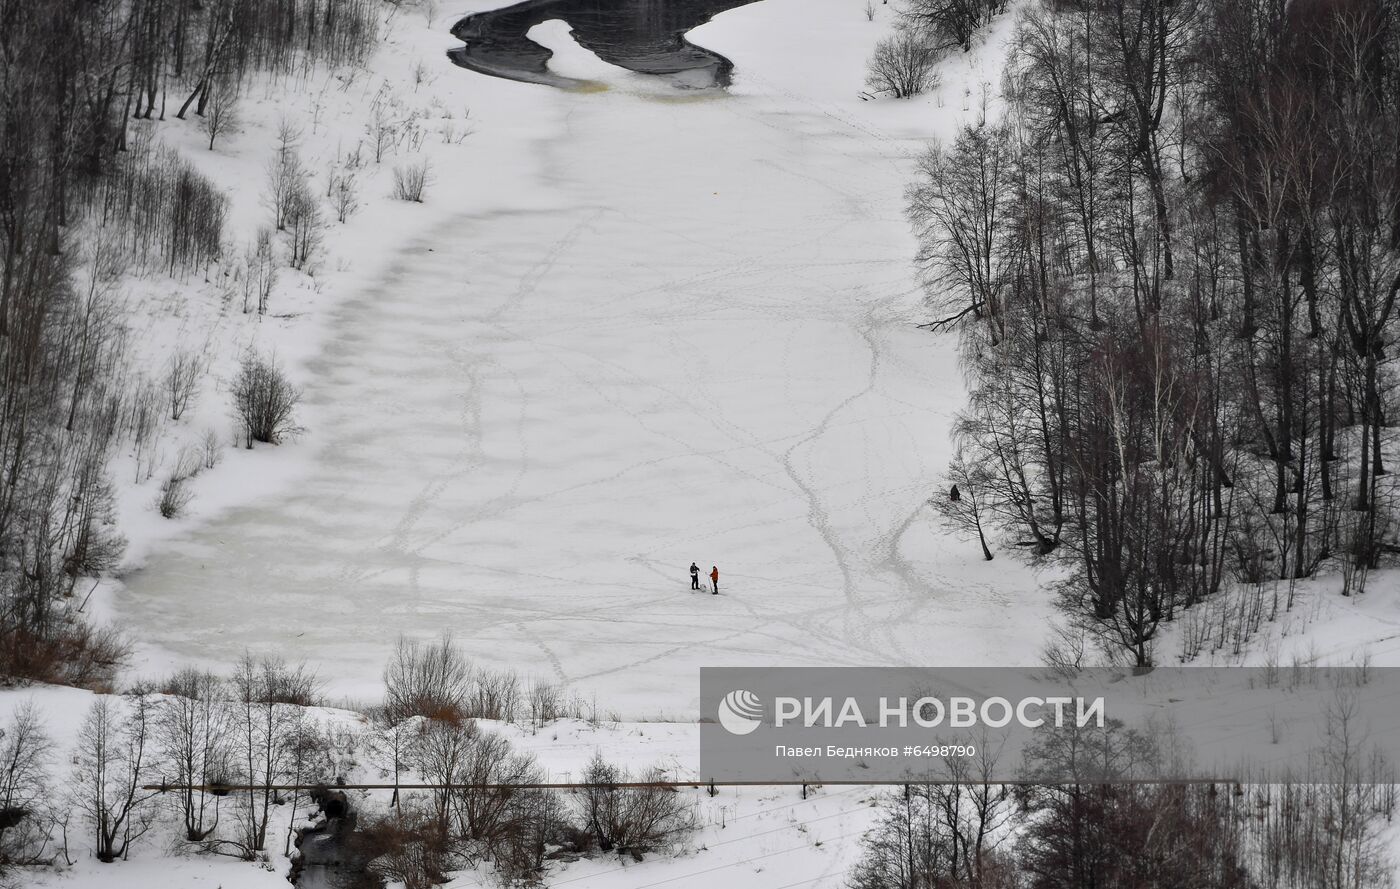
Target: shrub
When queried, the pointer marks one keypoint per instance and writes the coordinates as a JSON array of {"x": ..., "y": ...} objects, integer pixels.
[
  {"x": 264, "y": 400},
  {"x": 66, "y": 653},
  {"x": 345, "y": 196},
  {"x": 403, "y": 848},
  {"x": 430, "y": 679},
  {"x": 902, "y": 65},
  {"x": 633, "y": 820},
  {"x": 270, "y": 680},
  {"x": 175, "y": 495},
  {"x": 209, "y": 449},
  {"x": 411, "y": 180},
  {"x": 546, "y": 703},
  {"x": 495, "y": 694}
]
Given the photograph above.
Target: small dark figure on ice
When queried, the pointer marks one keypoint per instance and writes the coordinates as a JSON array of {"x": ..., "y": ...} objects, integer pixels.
[{"x": 694, "y": 576}]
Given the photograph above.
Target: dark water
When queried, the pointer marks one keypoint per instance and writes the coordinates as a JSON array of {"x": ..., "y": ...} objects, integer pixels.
[
  {"x": 327, "y": 857},
  {"x": 646, "y": 36}
]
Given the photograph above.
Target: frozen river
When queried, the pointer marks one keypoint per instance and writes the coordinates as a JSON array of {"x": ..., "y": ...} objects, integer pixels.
[{"x": 693, "y": 340}]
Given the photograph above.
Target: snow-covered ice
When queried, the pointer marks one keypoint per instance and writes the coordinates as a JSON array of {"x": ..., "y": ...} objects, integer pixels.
[{"x": 671, "y": 326}]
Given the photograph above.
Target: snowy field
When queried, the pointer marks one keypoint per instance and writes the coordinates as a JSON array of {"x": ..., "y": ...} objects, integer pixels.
[{"x": 650, "y": 326}]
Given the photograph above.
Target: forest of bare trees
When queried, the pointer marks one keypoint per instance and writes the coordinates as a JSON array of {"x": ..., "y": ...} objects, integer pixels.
[
  {"x": 86, "y": 196},
  {"x": 1173, "y": 262},
  {"x": 1327, "y": 829},
  {"x": 204, "y": 758}
]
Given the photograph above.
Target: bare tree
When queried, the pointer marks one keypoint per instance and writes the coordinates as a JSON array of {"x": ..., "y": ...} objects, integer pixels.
[
  {"x": 947, "y": 830},
  {"x": 98, "y": 319},
  {"x": 391, "y": 744},
  {"x": 546, "y": 702},
  {"x": 344, "y": 195},
  {"x": 632, "y": 820},
  {"x": 261, "y": 272},
  {"x": 383, "y": 128},
  {"x": 954, "y": 21},
  {"x": 902, "y": 65},
  {"x": 269, "y": 702},
  {"x": 964, "y": 507},
  {"x": 484, "y": 803},
  {"x": 25, "y": 751},
  {"x": 959, "y": 208},
  {"x": 221, "y": 113},
  {"x": 286, "y": 186},
  {"x": 405, "y": 848},
  {"x": 309, "y": 757},
  {"x": 439, "y": 753},
  {"x": 538, "y": 822},
  {"x": 194, "y": 731},
  {"x": 112, "y": 762},
  {"x": 306, "y": 226},
  {"x": 289, "y": 135},
  {"x": 182, "y": 373},
  {"x": 431, "y": 679},
  {"x": 495, "y": 694}
]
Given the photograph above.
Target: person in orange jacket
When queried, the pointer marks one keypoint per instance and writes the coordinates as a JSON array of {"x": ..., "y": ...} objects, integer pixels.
[{"x": 714, "y": 579}]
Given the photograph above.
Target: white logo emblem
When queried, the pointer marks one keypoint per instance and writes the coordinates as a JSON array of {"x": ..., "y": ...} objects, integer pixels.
[{"x": 740, "y": 712}]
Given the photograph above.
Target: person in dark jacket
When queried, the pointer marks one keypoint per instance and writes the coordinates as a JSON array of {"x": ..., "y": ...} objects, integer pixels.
[{"x": 694, "y": 576}]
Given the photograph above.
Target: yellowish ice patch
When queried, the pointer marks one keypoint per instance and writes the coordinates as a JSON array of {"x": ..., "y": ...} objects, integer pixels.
[{"x": 689, "y": 97}]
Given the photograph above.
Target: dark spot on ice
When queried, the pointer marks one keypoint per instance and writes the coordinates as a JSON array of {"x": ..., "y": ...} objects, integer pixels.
[{"x": 646, "y": 36}]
